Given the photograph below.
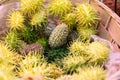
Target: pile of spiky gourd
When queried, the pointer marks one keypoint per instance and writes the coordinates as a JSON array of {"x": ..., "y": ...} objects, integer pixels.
[{"x": 52, "y": 42}]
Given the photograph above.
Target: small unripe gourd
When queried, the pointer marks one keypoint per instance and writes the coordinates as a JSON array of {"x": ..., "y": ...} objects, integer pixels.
[
  {"x": 16, "y": 21},
  {"x": 86, "y": 15},
  {"x": 59, "y": 35},
  {"x": 29, "y": 7},
  {"x": 59, "y": 7}
]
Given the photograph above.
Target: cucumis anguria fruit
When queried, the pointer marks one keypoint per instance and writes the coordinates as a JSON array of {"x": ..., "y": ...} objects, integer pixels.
[
  {"x": 86, "y": 15},
  {"x": 58, "y": 36},
  {"x": 59, "y": 7}
]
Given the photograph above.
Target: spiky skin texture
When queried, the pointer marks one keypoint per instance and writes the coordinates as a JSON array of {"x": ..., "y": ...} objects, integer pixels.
[
  {"x": 7, "y": 55},
  {"x": 34, "y": 64},
  {"x": 28, "y": 64},
  {"x": 38, "y": 20},
  {"x": 90, "y": 73},
  {"x": 16, "y": 21},
  {"x": 85, "y": 33},
  {"x": 69, "y": 19},
  {"x": 98, "y": 52},
  {"x": 58, "y": 36},
  {"x": 29, "y": 7},
  {"x": 13, "y": 41},
  {"x": 54, "y": 71},
  {"x": 72, "y": 62},
  {"x": 6, "y": 72},
  {"x": 59, "y": 7},
  {"x": 86, "y": 15},
  {"x": 78, "y": 47}
]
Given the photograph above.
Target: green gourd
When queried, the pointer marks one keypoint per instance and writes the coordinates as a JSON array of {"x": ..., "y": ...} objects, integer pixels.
[
  {"x": 14, "y": 41},
  {"x": 58, "y": 36}
]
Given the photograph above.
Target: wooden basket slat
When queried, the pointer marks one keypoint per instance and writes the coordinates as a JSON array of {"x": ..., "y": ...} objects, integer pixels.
[
  {"x": 102, "y": 13},
  {"x": 114, "y": 30},
  {"x": 113, "y": 25},
  {"x": 104, "y": 33}
]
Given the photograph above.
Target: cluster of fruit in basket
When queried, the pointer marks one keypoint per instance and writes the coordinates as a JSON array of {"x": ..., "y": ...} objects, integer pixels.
[{"x": 52, "y": 42}]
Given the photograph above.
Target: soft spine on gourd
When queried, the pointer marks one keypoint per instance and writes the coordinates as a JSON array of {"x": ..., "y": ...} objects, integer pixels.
[
  {"x": 29, "y": 7},
  {"x": 86, "y": 15},
  {"x": 16, "y": 21},
  {"x": 59, "y": 35},
  {"x": 90, "y": 73},
  {"x": 86, "y": 32},
  {"x": 72, "y": 62},
  {"x": 6, "y": 72},
  {"x": 78, "y": 48},
  {"x": 34, "y": 64},
  {"x": 7, "y": 55},
  {"x": 38, "y": 20},
  {"x": 98, "y": 52},
  {"x": 14, "y": 41},
  {"x": 70, "y": 20},
  {"x": 59, "y": 7}
]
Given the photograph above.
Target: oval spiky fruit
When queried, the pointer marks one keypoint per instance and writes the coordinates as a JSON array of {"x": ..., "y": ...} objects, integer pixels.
[
  {"x": 78, "y": 47},
  {"x": 13, "y": 41},
  {"x": 90, "y": 73},
  {"x": 98, "y": 52},
  {"x": 72, "y": 62},
  {"x": 38, "y": 20},
  {"x": 29, "y": 65},
  {"x": 59, "y": 7},
  {"x": 59, "y": 35},
  {"x": 34, "y": 64},
  {"x": 16, "y": 21},
  {"x": 86, "y": 15},
  {"x": 29, "y": 7},
  {"x": 7, "y": 55},
  {"x": 54, "y": 71},
  {"x": 69, "y": 19},
  {"x": 86, "y": 32}
]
